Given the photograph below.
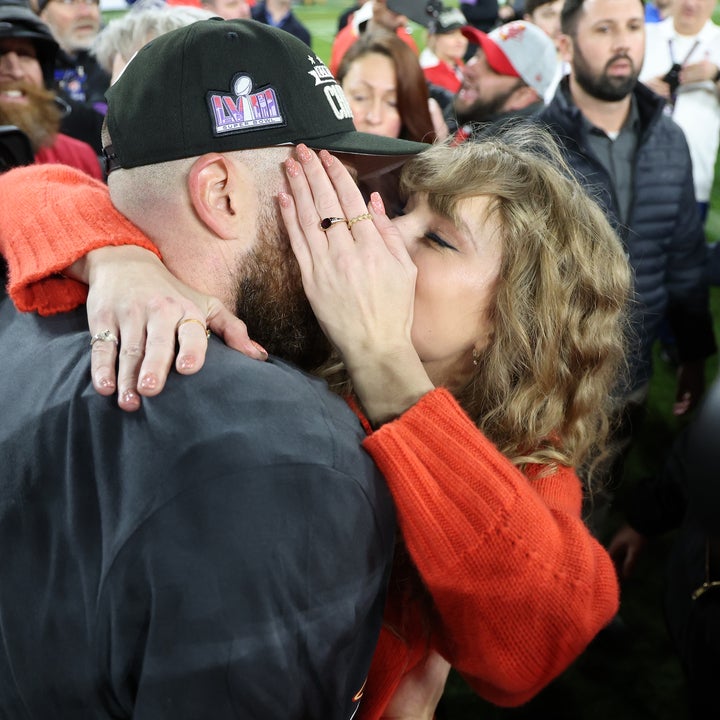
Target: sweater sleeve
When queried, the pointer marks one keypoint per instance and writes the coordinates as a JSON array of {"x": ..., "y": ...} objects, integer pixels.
[
  {"x": 519, "y": 584},
  {"x": 51, "y": 216}
]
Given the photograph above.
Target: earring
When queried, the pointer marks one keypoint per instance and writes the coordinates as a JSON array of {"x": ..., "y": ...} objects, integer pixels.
[{"x": 475, "y": 356}]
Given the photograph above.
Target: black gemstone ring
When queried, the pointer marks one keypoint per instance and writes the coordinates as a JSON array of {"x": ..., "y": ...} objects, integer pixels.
[{"x": 327, "y": 223}]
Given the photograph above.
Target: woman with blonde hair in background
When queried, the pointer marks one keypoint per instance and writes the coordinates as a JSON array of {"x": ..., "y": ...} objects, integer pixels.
[{"x": 442, "y": 59}]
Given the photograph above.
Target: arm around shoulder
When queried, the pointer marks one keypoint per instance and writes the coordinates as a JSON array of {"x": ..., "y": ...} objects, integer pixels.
[{"x": 52, "y": 216}]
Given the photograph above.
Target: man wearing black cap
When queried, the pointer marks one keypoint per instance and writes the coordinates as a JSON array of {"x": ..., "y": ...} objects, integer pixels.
[
  {"x": 27, "y": 58},
  {"x": 222, "y": 552},
  {"x": 78, "y": 77}
]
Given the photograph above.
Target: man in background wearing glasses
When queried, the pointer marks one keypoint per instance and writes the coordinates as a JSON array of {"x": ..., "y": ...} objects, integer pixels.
[{"x": 80, "y": 81}]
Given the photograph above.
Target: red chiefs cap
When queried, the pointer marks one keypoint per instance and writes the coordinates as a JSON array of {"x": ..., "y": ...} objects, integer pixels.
[{"x": 518, "y": 49}]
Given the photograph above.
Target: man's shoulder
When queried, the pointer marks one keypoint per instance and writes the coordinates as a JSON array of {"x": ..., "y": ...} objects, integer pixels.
[
  {"x": 234, "y": 413},
  {"x": 667, "y": 134},
  {"x": 710, "y": 31},
  {"x": 562, "y": 119},
  {"x": 259, "y": 408},
  {"x": 556, "y": 110}
]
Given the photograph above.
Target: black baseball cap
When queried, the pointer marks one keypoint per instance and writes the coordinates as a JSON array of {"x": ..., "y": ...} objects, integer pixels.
[
  {"x": 447, "y": 20},
  {"x": 223, "y": 85},
  {"x": 17, "y": 20}
]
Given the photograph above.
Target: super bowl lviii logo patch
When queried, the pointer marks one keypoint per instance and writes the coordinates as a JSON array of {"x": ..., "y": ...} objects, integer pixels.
[{"x": 243, "y": 109}]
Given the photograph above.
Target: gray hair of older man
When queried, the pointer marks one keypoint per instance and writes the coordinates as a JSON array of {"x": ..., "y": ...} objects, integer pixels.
[{"x": 126, "y": 35}]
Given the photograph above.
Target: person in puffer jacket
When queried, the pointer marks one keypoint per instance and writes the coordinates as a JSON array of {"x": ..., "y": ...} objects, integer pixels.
[{"x": 636, "y": 162}]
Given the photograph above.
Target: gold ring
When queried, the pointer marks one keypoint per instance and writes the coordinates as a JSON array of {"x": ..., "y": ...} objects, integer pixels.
[
  {"x": 327, "y": 223},
  {"x": 205, "y": 328},
  {"x": 104, "y": 336},
  {"x": 364, "y": 216}
]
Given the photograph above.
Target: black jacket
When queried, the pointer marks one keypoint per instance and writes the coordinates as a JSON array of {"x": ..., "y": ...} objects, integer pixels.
[
  {"x": 222, "y": 553},
  {"x": 664, "y": 237}
]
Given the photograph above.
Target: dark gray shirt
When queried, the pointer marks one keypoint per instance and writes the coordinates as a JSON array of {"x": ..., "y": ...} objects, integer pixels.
[
  {"x": 221, "y": 553},
  {"x": 617, "y": 156}
]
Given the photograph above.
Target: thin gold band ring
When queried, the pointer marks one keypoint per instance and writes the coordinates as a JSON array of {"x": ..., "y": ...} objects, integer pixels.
[
  {"x": 364, "y": 216},
  {"x": 205, "y": 328}
]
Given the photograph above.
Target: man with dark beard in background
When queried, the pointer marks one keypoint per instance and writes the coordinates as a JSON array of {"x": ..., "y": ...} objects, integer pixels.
[
  {"x": 636, "y": 162},
  {"x": 27, "y": 59},
  {"x": 505, "y": 79}
]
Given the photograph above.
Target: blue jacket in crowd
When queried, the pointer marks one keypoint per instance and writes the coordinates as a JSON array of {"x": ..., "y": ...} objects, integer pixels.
[{"x": 664, "y": 236}]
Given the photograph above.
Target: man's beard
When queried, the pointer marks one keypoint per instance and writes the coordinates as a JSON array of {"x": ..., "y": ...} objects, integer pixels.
[
  {"x": 604, "y": 87},
  {"x": 270, "y": 297},
  {"x": 39, "y": 118},
  {"x": 483, "y": 110}
]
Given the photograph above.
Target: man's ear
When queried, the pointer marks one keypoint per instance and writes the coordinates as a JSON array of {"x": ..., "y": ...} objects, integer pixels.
[
  {"x": 211, "y": 184},
  {"x": 565, "y": 47},
  {"x": 521, "y": 98}
]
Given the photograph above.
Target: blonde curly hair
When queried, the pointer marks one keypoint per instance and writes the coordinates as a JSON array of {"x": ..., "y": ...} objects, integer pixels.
[{"x": 544, "y": 388}]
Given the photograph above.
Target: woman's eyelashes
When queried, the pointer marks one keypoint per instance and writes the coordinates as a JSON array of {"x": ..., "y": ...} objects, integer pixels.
[
  {"x": 438, "y": 241},
  {"x": 430, "y": 236}
]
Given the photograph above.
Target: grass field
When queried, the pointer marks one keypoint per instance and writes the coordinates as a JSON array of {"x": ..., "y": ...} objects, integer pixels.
[{"x": 632, "y": 675}]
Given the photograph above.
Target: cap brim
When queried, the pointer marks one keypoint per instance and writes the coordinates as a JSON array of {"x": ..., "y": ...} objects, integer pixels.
[
  {"x": 369, "y": 154},
  {"x": 496, "y": 58},
  {"x": 448, "y": 29}
]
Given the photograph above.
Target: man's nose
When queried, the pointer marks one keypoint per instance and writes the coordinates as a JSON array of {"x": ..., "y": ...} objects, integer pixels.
[
  {"x": 471, "y": 67},
  {"x": 10, "y": 65},
  {"x": 621, "y": 40}
]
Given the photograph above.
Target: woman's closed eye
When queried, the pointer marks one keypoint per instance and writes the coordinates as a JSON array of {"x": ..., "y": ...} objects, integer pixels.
[
  {"x": 436, "y": 240},
  {"x": 430, "y": 236}
]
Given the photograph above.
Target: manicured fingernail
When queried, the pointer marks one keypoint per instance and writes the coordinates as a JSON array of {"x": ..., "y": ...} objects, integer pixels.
[
  {"x": 292, "y": 168},
  {"x": 186, "y": 362},
  {"x": 377, "y": 204},
  {"x": 304, "y": 153},
  {"x": 326, "y": 158},
  {"x": 149, "y": 382},
  {"x": 105, "y": 383},
  {"x": 130, "y": 396},
  {"x": 284, "y": 199}
]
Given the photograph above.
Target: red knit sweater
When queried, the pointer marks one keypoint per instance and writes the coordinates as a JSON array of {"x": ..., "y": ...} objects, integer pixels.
[{"x": 518, "y": 584}]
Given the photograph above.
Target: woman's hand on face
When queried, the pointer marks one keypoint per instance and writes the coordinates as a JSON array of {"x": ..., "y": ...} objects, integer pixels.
[
  {"x": 357, "y": 274},
  {"x": 359, "y": 279},
  {"x": 150, "y": 312}
]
